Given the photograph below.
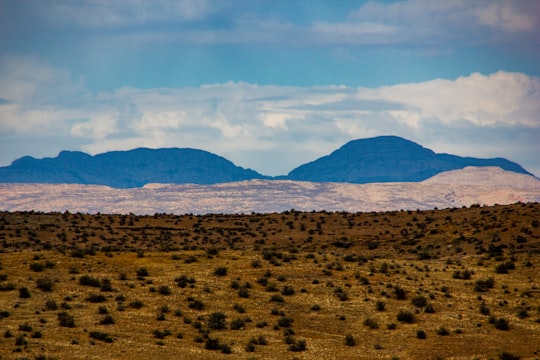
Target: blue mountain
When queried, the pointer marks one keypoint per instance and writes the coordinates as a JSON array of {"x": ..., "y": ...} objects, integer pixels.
[
  {"x": 127, "y": 169},
  {"x": 387, "y": 159},
  {"x": 379, "y": 159}
]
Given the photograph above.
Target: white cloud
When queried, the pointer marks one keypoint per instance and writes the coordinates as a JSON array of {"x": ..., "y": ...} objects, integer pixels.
[{"x": 270, "y": 128}]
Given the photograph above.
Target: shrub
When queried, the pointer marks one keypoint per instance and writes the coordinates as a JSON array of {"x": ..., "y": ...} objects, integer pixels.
[
  {"x": 217, "y": 321},
  {"x": 158, "y": 334},
  {"x": 142, "y": 272},
  {"x": 87, "y": 280},
  {"x": 243, "y": 292},
  {"x": 429, "y": 309},
  {"x": 20, "y": 341},
  {"x": 400, "y": 293},
  {"x": 484, "y": 310},
  {"x": 239, "y": 308},
  {"x": 287, "y": 290},
  {"x": 221, "y": 271},
  {"x": 136, "y": 304},
  {"x": 25, "y": 327},
  {"x": 238, "y": 324},
  {"x": 285, "y": 322},
  {"x": 45, "y": 284},
  {"x": 164, "y": 290},
  {"x": 420, "y": 334},
  {"x": 508, "y": 356},
  {"x": 350, "y": 340},
  {"x": 37, "y": 267},
  {"x": 371, "y": 323},
  {"x": 96, "y": 298},
  {"x": 298, "y": 345},
  {"x": 380, "y": 305},
  {"x": 484, "y": 285},
  {"x": 107, "y": 320},
  {"x": 443, "y": 331},
  {"x": 405, "y": 316},
  {"x": 102, "y": 336},
  {"x": 24, "y": 293},
  {"x": 500, "y": 323},
  {"x": 184, "y": 280},
  {"x": 66, "y": 320},
  {"x": 419, "y": 301},
  {"x": 196, "y": 304},
  {"x": 277, "y": 298},
  {"x": 51, "y": 305}
]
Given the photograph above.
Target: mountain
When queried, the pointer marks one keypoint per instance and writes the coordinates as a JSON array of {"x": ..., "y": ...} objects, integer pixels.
[
  {"x": 127, "y": 169},
  {"x": 379, "y": 159},
  {"x": 465, "y": 187},
  {"x": 387, "y": 159}
]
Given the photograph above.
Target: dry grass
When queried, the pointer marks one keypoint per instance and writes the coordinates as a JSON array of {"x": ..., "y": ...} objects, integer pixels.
[{"x": 315, "y": 277}]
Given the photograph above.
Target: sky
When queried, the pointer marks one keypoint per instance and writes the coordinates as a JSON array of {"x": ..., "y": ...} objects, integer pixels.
[{"x": 269, "y": 85}]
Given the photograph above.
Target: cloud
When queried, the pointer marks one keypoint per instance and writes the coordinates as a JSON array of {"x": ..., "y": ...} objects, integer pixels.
[{"x": 272, "y": 128}]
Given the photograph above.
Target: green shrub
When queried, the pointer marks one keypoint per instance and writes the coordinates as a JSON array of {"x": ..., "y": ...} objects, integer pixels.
[
  {"x": 24, "y": 293},
  {"x": 217, "y": 321},
  {"x": 420, "y": 334}
]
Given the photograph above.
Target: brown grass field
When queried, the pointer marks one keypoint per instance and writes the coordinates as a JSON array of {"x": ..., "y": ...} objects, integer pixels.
[{"x": 457, "y": 283}]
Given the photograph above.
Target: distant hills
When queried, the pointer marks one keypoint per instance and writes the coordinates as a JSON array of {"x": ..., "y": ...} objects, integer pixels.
[
  {"x": 457, "y": 188},
  {"x": 127, "y": 169},
  {"x": 388, "y": 159},
  {"x": 379, "y": 159}
]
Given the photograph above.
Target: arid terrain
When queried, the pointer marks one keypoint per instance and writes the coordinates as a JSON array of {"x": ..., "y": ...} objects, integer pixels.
[{"x": 458, "y": 283}]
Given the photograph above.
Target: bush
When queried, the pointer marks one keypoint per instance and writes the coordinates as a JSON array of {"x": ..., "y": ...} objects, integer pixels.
[
  {"x": 500, "y": 323},
  {"x": 238, "y": 324},
  {"x": 221, "y": 271},
  {"x": 297, "y": 345},
  {"x": 87, "y": 280},
  {"x": 136, "y": 304},
  {"x": 508, "y": 356},
  {"x": 484, "y": 285},
  {"x": 184, "y": 280},
  {"x": 405, "y": 316},
  {"x": 24, "y": 293},
  {"x": 443, "y": 331},
  {"x": 371, "y": 323},
  {"x": 164, "y": 290},
  {"x": 380, "y": 305},
  {"x": 45, "y": 284},
  {"x": 107, "y": 320},
  {"x": 400, "y": 293},
  {"x": 196, "y": 304},
  {"x": 285, "y": 322},
  {"x": 142, "y": 272},
  {"x": 51, "y": 305},
  {"x": 350, "y": 340},
  {"x": 96, "y": 298},
  {"x": 217, "y": 321},
  {"x": 158, "y": 334},
  {"x": 420, "y": 334},
  {"x": 66, "y": 320},
  {"x": 102, "y": 336},
  {"x": 419, "y": 301}
]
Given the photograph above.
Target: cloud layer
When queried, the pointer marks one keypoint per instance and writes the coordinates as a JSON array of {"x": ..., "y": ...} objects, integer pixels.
[{"x": 268, "y": 128}]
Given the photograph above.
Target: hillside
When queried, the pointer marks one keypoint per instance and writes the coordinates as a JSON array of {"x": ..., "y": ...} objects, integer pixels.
[
  {"x": 387, "y": 159},
  {"x": 458, "y": 283}
]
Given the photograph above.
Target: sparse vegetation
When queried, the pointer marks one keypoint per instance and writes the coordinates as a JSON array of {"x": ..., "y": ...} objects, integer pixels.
[{"x": 266, "y": 285}]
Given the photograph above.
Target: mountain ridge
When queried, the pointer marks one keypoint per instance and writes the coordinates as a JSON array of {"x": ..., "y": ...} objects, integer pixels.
[{"x": 378, "y": 159}]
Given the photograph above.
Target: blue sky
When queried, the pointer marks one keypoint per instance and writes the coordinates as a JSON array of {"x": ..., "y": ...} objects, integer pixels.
[{"x": 269, "y": 84}]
